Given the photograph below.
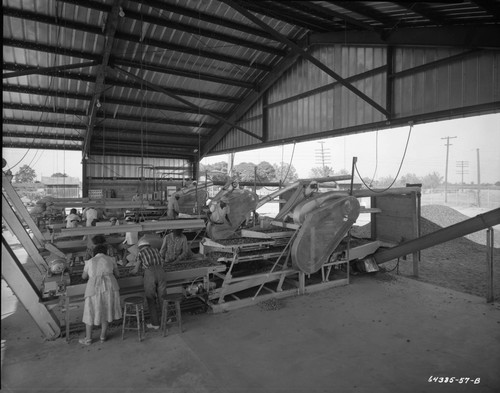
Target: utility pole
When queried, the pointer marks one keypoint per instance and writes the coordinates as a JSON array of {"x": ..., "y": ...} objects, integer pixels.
[
  {"x": 462, "y": 169},
  {"x": 448, "y": 144},
  {"x": 322, "y": 155},
  {"x": 478, "y": 180}
]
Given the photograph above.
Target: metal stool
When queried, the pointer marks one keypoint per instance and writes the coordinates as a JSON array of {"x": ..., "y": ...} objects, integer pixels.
[
  {"x": 171, "y": 312},
  {"x": 134, "y": 307}
]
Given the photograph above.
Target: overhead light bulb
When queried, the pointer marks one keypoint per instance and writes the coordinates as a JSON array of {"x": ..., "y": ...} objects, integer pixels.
[
  {"x": 121, "y": 13},
  {"x": 98, "y": 104}
]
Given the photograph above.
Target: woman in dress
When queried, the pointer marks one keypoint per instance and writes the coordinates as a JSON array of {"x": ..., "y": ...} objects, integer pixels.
[{"x": 102, "y": 293}]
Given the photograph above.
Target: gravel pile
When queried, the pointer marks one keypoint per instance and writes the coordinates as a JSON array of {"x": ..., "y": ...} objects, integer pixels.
[
  {"x": 433, "y": 218},
  {"x": 445, "y": 216}
]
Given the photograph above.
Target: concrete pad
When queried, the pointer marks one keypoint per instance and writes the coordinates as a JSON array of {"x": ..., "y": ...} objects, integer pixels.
[{"x": 381, "y": 333}]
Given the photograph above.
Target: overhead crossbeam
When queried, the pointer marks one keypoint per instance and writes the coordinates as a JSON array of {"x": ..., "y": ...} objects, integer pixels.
[
  {"x": 485, "y": 37},
  {"x": 110, "y": 31},
  {"x": 285, "y": 64},
  {"x": 186, "y": 102},
  {"x": 297, "y": 49},
  {"x": 48, "y": 70}
]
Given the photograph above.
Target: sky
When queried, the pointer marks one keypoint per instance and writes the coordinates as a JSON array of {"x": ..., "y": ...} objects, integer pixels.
[{"x": 378, "y": 153}]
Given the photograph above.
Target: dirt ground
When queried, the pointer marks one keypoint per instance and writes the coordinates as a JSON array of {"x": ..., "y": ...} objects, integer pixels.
[{"x": 458, "y": 264}]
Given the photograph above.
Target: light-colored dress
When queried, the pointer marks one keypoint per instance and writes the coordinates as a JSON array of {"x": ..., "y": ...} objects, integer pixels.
[{"x": 102, "y": 294}]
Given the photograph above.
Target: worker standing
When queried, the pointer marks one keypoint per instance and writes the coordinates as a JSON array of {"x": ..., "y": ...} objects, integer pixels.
[
  {"x": 173, "y": 206},
  {"x": 219, "y": 213},
  {"x": 155, "y": 279},
  {"x": 73, "y": 219},
  {"x": 102, "y": 293},
  {"x": 90, "y": 215}
]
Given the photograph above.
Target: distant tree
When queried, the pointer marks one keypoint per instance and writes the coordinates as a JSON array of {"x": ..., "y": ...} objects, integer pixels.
[
  {"x": 384, "y": 182},
  {"x": 26, "y": 174},
  {"x": 432, "y": 180},
  {"x": 321, "y": 171},
  {"x": 215, "y": 172},
  {"x": 59, "y": 174},
  {"x": 497, "y": 184},
  {"x": 245, "y": 171},
  {"x": 266, "y": 172},
  {"x": 285, "y": 170},
  {"x": 410, "y": 178}
]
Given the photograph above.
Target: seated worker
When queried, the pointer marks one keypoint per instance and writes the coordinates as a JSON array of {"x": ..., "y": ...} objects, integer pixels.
[
  {"x": 175, "y": 247},
  {"x": 73, "y": 219},
  {"x": 173, "y": 208}
]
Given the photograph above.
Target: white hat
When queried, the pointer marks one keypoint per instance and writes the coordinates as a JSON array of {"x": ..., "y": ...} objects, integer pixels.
[{"x": 143, "y": 242}]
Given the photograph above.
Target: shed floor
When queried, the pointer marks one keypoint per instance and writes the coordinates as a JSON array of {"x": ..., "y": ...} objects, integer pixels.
[{"x": 381, "y": 333}]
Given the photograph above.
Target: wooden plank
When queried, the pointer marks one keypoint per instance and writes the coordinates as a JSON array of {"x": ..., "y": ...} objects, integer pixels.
[{"x": 140, "y": 227}]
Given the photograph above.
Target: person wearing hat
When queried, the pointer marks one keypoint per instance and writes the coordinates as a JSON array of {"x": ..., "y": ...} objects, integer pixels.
[
  {"x": 155, "y": 279},
  {"x": 175, "y": 247},
  {"x": 73, "y": 219},
  {"x": 173, "y": 208},
  {"x": 219, "y": 212}
]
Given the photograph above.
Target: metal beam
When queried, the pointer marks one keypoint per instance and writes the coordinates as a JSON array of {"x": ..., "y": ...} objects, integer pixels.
[
  {"x": 32, "y": 135},
  {"x": 297, "y": 49},
  {"x": 131, "y": 150},
  {"x": 481, "y": 221},
  {"x": 46, "y": 92},
  {"x": 196, "y": 14},
  {"x": 48, "y": 70},
  {"x": 45, "y": 109},
  {"x": 425, "y": 11},
  {"x": 185, "y": 74},
  {"x": 130, "y": 85},
  {"x": 483, "y": 36},
  {"x": 436, "y": 63},
  {"x": 110, "y": 31},
  {"x": 249, "y": 101},
  {"x": 150, "y": 119},
  {"x": 286, "y": 14},
  {"x": 186, "y": 102},
  {"x": 489, "y": 6},
  {"x": 58, "y": 51},
  {"x": 334, "y": 14},
  {"x": 109, "y": 100},
  {"x": 371, "y": 13},
  {"x": 448, "y": 114},
  {"x": 45, "y": 146},
  {"x": 192, "y": 51},
  {"x": 199, "y": 31},
  {"x": 44, "y": 124}
]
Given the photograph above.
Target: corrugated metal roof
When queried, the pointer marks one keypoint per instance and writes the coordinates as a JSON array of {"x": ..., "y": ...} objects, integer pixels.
[{"x": 177, "y": 75}]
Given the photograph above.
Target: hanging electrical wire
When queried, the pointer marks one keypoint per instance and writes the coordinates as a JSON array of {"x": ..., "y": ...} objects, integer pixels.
[{"x": 397, "y": 174}]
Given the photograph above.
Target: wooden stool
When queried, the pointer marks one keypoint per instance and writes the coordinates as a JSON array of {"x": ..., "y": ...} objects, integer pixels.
[
  {"x": 134, "y": 307},
  {"x": 171, "y": 312}
]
